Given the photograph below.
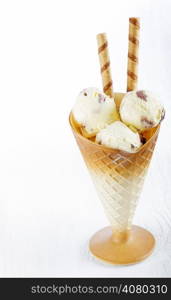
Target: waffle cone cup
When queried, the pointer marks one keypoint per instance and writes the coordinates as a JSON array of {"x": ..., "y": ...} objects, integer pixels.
[{"x": 118, "y": 177}]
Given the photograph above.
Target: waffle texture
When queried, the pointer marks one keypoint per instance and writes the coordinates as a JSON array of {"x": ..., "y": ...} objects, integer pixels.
[{"x": 118, "y": 176}]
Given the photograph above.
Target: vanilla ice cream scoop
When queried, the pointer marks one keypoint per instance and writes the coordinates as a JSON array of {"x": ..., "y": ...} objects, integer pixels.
[
  {"x": 118, "y": 136},
  {"x": 94, "y": 110},
  {"x": 141, "y": 109}
]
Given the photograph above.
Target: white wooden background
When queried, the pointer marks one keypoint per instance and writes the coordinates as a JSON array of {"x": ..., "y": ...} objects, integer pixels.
[{"x": 48, "y": 205}]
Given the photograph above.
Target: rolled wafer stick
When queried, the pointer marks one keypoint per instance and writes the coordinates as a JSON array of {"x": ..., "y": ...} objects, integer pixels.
[
  {"x": 133, "y": 48},
  {"x": 104, "y": 64}
]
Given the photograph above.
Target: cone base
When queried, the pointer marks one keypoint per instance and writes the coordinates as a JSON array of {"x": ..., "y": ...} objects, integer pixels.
[{"x": 137, "y": 247}]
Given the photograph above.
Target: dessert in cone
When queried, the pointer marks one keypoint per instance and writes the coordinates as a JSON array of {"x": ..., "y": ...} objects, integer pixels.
[{"x": 118, "y": 177}]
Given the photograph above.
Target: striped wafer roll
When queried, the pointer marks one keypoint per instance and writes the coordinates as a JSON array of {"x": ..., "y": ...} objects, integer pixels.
[
  {"x": 133, "y": 47},
  {"x": 104, "y": 63}
]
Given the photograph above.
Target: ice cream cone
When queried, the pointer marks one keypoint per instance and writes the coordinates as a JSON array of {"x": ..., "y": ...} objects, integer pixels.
[{"x": 118, "y": 177}]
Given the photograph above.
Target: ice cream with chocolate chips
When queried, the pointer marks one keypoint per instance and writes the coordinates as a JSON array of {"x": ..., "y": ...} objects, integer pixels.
[
  {"x": 118, "y": 136},
  {"x": 96, "y": 115},
  {"x": 94, "y": 110},
  {"x": 141, "y": 110}
]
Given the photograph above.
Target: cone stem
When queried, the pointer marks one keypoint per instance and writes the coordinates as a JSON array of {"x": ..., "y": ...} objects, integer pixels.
[{"x": 120, "y": 236}]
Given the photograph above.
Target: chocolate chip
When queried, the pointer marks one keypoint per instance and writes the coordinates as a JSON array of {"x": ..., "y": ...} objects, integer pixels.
[
  {"x": 142, "y": 95},
  {"x": 101, "y": 98},
  {"x": 143, "y": 139},
  {"x": 146, "y": 123},
  {"x": 85, "y": 94},
  {"x": 132, "y": 146},
  {"x": 163, "y": 115}
]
